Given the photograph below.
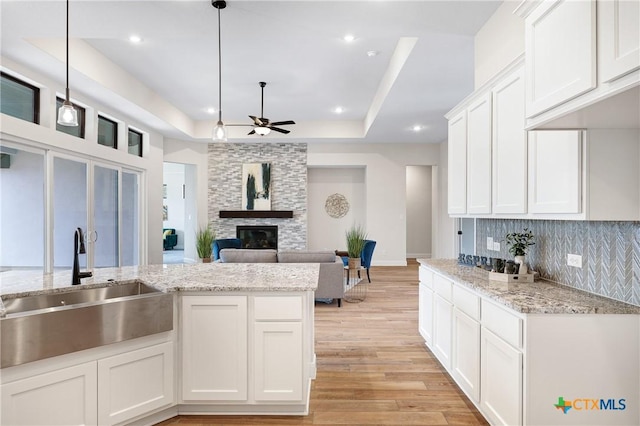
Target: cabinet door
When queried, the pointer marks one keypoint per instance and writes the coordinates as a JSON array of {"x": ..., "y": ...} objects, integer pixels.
[
  {"x": 479, "y": 156},
  {"x": 560, "y": 53},
  {"x": 466, "y": 354},
  {"x": 457, "y": 163},
  {"x": 63, "y": 397},
  {"x": 214, "y": 348},
  {"x": 555, "y": 171},
  {"x": 425, "y": 318},
  {"x": 618, "y": 38},
  {"x": 278, "y": 361},
  {"x": 135, "y": 383},
  {"x": 509, "y": 146},
  {"x": 442, "y": 319},
  {"x": 501, "y": 380}
]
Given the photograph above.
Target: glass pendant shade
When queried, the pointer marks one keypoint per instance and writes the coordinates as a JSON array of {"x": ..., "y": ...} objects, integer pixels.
[
  {"x": 262, "y": 131},
  {"x": 67, "y": 115},
  {"x": 219, "y": 132}
]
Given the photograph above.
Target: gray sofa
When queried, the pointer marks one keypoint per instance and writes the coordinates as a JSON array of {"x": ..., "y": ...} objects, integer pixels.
[{"x": 331, "y": 277}]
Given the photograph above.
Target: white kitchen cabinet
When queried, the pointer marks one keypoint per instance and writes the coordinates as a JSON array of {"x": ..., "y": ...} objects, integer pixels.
[
  {"x": 465, "y": 367},
  {"x": 442, "y": 329},
  {"x": 425, "y": 319},
  {"x": 618, "y": 38},
  {"x": 509, "y": 145},
  {"x": 214, "y": 348},
  {"x": 457, "y": 164},
  {"x": 560, "y": 53},
  {"x": 135, "y": 383},
  {"x": 62, "y": 397},
  {"x": 479, "y": 156},
  {"x": 555, "y": 171},
  {"x": 501, "y": 385}
]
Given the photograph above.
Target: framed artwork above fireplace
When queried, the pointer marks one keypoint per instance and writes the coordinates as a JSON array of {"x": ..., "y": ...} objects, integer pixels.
[{"x": 256, "y": 186}]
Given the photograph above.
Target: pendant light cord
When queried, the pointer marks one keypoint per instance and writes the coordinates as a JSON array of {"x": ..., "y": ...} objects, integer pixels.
[
  {"x": 219, "y": 69},
  {"x": 67, "y": 88}
]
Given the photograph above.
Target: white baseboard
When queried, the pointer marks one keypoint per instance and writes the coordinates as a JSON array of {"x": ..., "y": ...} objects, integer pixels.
[{"x": 419, "y": 255}]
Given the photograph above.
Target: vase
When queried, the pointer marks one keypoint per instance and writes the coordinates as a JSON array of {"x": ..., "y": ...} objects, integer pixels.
[
  {"x": 354, "y": 262},
  {"x": 523, "y": 266},
  {"x": 206, "y": 260}
]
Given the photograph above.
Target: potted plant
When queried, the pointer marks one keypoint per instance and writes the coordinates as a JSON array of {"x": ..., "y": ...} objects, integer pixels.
[
  {"x": 204, "y": 243},
  {"x": 518, "y": 243},
  {"x": 356, "y": 235}
]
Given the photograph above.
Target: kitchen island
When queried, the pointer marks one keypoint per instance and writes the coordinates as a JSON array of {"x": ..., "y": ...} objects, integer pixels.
[
  {"x": 241, "y": 342},
  {"x": 532, "y": 353}
]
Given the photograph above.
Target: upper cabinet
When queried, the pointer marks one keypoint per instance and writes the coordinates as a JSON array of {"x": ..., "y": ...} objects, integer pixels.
[
  {"x": 582, "y": 63},
  {"x": 457, "y": 170},
  {"x": 479, "y": 156},
  {"x": 618, "y": 38},
  {"x": 560, "y": 53}
]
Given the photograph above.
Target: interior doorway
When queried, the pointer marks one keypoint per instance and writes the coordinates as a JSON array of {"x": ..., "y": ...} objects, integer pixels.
[
  {"x": 180, "y": 211},
  {"x": 419, "y": 228}
]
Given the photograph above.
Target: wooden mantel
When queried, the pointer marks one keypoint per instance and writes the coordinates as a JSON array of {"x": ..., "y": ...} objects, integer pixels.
[{"x": 256, "y": 214}]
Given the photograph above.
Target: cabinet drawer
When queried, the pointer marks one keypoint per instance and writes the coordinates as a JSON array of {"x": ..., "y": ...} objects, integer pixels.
[
  {"x": 426, "y": 276},
  {"x": 442, "y": 286},
  {"x": 504, "y": 324},
  {"x": 278, "y": 308},
  {"x": 466, "y": 301}
]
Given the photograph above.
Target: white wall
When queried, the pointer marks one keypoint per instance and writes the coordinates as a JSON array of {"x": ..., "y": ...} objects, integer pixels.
[
  {"x": 498, "y": 42},
  {"x": 323, "y": 231},
  {"x": 174, "y": 179},
  {"x": 419, "y": 205},
  {"x": 445, "y": 235}
]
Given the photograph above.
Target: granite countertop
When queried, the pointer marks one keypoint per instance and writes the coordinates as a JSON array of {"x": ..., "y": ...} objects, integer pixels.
[
  {"x": 540, "y": 297},
  {"x": 170, "y": 278}
]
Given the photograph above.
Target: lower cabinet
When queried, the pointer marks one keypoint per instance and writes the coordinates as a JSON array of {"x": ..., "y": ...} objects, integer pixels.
[
  {"x": 465, "y": 367},
  {"x": 425, "y": 319},
  {"x": 501, "y": 385},
  {"x": 442, "y": 321},
  {"x": 107, "y": 391},
  {"x": 63, "y": 397}
]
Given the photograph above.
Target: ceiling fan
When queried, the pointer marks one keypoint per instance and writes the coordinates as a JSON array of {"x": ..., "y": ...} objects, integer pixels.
[{"x": 261, "y": 125}]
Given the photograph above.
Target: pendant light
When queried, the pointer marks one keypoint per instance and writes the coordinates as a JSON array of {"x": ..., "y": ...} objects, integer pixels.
[
  {"x": 67, "y": 114},
  {"x": 219, "y": 131}
]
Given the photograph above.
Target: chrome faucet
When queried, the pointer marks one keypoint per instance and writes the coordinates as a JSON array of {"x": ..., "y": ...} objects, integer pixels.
[{"x": 78, "y": 248}]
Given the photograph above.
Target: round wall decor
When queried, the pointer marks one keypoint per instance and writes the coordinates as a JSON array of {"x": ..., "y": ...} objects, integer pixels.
[{"x": 336, "y": 205}]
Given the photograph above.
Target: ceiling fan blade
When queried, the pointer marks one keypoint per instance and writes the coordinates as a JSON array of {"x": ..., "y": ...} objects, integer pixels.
[
  {"x": 253, "y": 132},
  {"x": 256, "y": 120},
  {"x": 282, "y": 123},
  {"x": 280, "y": 130}
]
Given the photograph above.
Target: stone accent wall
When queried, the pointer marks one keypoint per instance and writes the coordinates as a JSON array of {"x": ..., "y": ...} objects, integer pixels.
[
  {"x": 610, "y": 253},
  {"x": 288, "y": 187}
]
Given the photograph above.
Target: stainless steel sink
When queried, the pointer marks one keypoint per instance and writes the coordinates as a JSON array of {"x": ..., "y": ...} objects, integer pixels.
[
  {"x": 43, "y": 326},
  {"x": 75, "y": 297}
]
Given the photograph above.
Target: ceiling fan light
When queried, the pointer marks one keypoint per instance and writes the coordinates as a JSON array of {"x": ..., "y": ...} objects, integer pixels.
[
  {"x": 262, "y": 131},
  {"x": 219, "y": 132},
  {"x": 67, "y": 115}
]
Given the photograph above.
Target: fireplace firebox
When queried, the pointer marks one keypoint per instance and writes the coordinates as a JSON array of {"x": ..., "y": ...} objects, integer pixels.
[{"x": 258, "y": 236}]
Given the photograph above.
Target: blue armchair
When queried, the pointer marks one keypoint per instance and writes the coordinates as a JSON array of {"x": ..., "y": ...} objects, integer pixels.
[
  {"x": 365, "y": 257},
  {"x": 224, "y": 243},
  {"x": 169, "y": 238}
]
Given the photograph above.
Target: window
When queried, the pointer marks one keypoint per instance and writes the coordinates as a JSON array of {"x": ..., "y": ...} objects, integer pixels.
[
  {"x": 107, "y": 132},
  {"x": 19, "y": 99},
  {"x": 77, "y": 131},
  {"x": 135, "y": 143}
]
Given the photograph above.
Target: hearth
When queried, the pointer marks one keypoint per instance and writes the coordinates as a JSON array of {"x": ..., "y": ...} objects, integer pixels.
[{"x": 258, "y": 236}]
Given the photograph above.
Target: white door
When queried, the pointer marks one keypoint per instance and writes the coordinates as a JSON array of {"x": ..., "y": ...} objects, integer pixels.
[
  {"x": 425, "y": 319},
  {"x": 501, "y": 380},
  {"x": 442, "y": 322},
  {"x": 278, "y": 361},
  {"x": 555, "y": 171},
  {"x": 560, "y": 53},
  {"x": 509, "y": 146},
  {"x": 479, "y": 156},
  {"x": 618, "y": 38},
  {"x": 214, "y": 348},
  {"x": 135, "y": 383},
  {"x": 466, "y": 354},
  {"x": 457, "y": 164},
  {"x": 59, "y": 398}
]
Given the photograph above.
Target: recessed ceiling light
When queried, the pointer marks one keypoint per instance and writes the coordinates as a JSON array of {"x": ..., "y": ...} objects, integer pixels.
[
  {"x": 416, "y": 128},
  {"x": 211, "y": 110},
  {"x": 349, "y": 38},
  {"x": 338, "y": 110},
  {"x": 134, "y": 38},
  {"x": 372, "y": 53}
]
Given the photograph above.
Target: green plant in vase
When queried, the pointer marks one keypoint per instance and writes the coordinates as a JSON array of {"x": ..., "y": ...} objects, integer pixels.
[
  {"x": 204, "y": 243},
  {"x": 519, "y": 243},
  {"x": 356, "y": 236}
]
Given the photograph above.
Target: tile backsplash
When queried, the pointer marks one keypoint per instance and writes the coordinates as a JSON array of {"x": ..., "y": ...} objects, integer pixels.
[{"x": 610, "y": 253}]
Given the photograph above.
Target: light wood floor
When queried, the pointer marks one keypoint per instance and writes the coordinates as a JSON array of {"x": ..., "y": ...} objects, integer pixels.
[{"x": 373, "y": 366}]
